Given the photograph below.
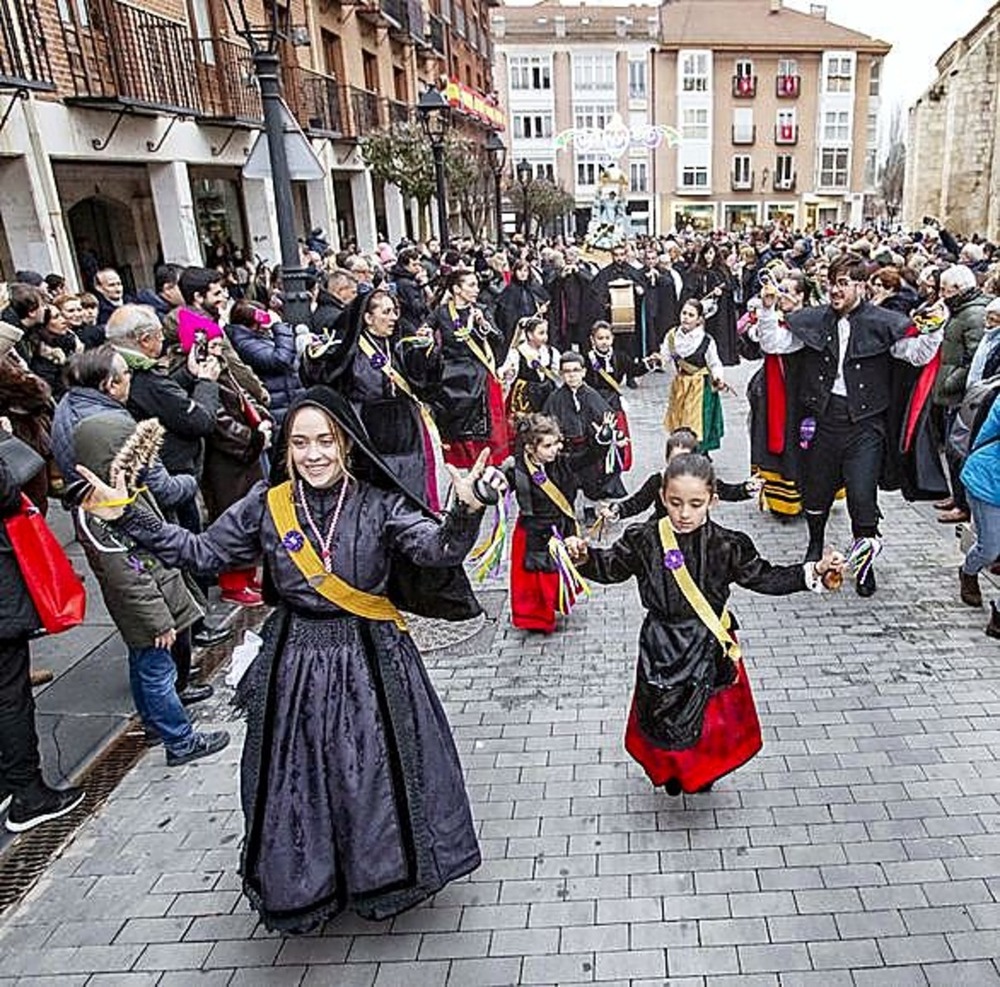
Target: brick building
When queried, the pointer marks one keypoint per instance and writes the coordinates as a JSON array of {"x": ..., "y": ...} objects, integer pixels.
[
  {"x": 777, "y": 109},
  {"x": 125, "y": 126},
  {"x": 952, "y": 150}
]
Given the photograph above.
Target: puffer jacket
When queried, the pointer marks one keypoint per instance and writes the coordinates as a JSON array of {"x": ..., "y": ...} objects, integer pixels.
[
  {"x": 962, "y": 332},
  {"x": 270, "y": 353},
  {"x": 981, "y": 473},
  {"x": 144, "y": 597}
]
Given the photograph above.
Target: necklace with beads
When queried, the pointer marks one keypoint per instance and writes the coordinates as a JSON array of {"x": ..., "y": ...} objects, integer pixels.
[{"x": 325, "y": 543}]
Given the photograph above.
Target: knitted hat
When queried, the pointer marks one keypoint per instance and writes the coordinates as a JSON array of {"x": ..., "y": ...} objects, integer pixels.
[{"x": 10, "y": 336}]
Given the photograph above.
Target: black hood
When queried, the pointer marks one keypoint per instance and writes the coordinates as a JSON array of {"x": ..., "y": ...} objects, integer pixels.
[{"x": 364, "y": 461}]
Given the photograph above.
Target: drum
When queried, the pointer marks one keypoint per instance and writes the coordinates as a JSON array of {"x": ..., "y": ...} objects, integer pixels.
[{"x": 622, "y": 294}]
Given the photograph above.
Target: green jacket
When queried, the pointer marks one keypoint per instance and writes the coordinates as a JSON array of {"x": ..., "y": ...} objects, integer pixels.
[
  {"x": 962, "y": 333},
  {"x": 144, "y": 597}
]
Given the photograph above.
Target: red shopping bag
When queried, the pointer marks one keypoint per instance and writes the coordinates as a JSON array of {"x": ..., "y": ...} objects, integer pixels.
[{"x": 54, "y": 588}]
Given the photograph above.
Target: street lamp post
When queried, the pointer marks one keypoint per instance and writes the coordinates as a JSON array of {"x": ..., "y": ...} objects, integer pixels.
[
  {"x": 435, "y": 118},
  {"x": 263, "y": 42},
  {"x": 497, "y": 151},
  {"x": 524, "y": 180}
]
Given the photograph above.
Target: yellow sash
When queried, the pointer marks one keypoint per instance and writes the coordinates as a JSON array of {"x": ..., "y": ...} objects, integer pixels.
[
  {"x": 282, "y": 507},
  {"x": 482, "y": 353},
  {"x": 397, "y": 378},
  {"x": 694, "y": 596},
  {"x": 551, "y": 491},
  {"x": 608, "y": 379},
  {"x": 532, "y": 358}
]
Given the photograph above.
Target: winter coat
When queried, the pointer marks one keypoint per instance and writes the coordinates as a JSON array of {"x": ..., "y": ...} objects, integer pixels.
[
  {"x": 328, "y": 311},
  {"x": 270, "y": 353},
  {"x": 981, "y": 473},
  {"x": 79, "y": 403},
  {"x": 188, "y": 418},
  {"x": 413, "y": 308},
  {"x": 27, "y": 401},
  {"x": 18, "y": 618},
  {"x": 50, "y": 352},
  {"x": 962, "y": 333},
  {"x": 517, "y": 301},
  {"x": 144, "y": 597}
]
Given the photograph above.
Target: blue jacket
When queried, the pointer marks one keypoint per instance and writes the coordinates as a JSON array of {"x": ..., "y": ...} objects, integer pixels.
[
  {"x": 271, "y": 355},
  {"x": 981, "y": 473},
  {"x": 80, "y": 403},
  {"x": 156, "y": 302}
]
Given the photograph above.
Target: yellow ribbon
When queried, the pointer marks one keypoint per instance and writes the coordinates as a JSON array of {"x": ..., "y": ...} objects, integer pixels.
[
  {"x": 397, "y": 378},
  {"x": 551, "y": 491},
  {"x": 608, "y": 379},
  {"x": 483, "y": 354},
  {"x": 693, "y": 594},
  {"x": 534, "y": 361},
  {"x": 120, "y": 501},
  {"x": 281, "y": 504}
]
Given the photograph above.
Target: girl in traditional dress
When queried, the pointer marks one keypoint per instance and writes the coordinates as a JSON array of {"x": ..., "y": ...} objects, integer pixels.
[
  {"x": 693, "y": 401},
  {"x": 466, "y": 396},
  {"x": 692, "y": 718},
  {"x": 534, "y": 366},
  {"x": 544, "y": 484},
  {"x": 351, "y": 785}
]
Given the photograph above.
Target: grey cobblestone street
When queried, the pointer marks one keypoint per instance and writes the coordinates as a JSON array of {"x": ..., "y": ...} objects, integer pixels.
[{"x": 861, "y": 847}]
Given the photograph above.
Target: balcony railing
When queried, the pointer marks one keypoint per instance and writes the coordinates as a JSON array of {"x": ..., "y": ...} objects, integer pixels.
[
  {"x": 24, "y": 59},
  {"x": 399, "y": 112},
  {"x": 416, "y": 20},
  {"x": 229, "y": 87},
  {"x": 784, "y": 184},
  {"x": 395, "y": 11},
  {"x": 435, "y": 33},
  {"x": 786, "y": 133},
  {"x": 315, "y": 99},
  {"x": 744, "y": 86},
  {"x": 741, "y": 183},
  {"x": 787, "y": 86},
  {"x": 745, "y": 135},
  {"x": 366, "y": 110},
  {"x": 133, "y": 57}
]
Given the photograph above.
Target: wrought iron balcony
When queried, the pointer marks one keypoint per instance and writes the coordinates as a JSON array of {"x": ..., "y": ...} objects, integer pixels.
[
  {"x": 366, "y": 108},
  {"x": 24, "y": 59},
  {"x": 745, "y": 135},
  {"x": 741, "y": 183},
  {"x": 785, "y": 183},
  {"x": 132, "y": 58},
  {"x": 229, "y": 87},
  {"x": 786, "y": 133},
  {"x": 316, "y": 100},
  {"x": 399, "y": 112},
  {"x": 744, "y": 86},
  {"x": 787, "y": 86},
  {"x": 394, "y": 11}
]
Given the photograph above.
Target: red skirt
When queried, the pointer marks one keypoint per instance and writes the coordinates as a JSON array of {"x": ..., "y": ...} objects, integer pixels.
[
  {"x": 730, "y": 736},
  {"x": 463, "y": 454},
  {"x": 533, "y": 595},
  {"x": 621, "y": 422}
]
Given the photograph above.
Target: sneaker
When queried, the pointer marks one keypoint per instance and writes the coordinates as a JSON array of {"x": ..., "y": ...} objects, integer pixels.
[
  {"x": 243, "y": 597},
  {"x": 41, "y": 804},
  {"x": 205, "y": 637},
  {"x": 5, "y": 798},
  {"x": 204, "y": 744},
  {"x": 195, "y": 694}
]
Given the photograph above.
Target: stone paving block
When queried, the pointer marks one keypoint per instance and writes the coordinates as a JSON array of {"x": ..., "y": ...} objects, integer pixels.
[
  {"x": 860, "y": 925},
  {"x": 230, "y": 953},
  {"x": 851, "y": 955},
  {"x": 732, "y": 932},
  {"x": 978, "y": 973},
  {"x": 663, "y": 935},
  {"x": 632, "y": 964},
  {"x": 800, "y": 928},
  {"x": 212, "y": 927},
  {"x": 485, "y": 972},
  {"x": 527, "y": 942},
  {"x": 905, "y": 976},
  {"x": 309, "y": 951},
  {"x": 262, "y": 976},
  {"x": 351, "y": 975},
  {"x": 453, "y": 945},
  {"x": 702, "y": 961},
  {"x": 567, "y": 968},
  {"x": 598, "y": 938},
  {"x": 174, "y": 956},
  {"x": 973, "y": 945},
  {"x": 384, "y": 948},
  {"x": 146, "y": 930},
  {"x": 103, "y": 980},
  {"x": 749, "y": 904},
  {"x": 420, "y": 974},
  {"x": 97, "y": 933}
]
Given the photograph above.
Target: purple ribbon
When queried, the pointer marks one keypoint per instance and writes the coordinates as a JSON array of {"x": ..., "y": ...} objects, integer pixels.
[
  {"x": 378, "y": 360},
  {"x": 807, "y": 432},
  {"x": 539, "y": 477},
  {"x": 673, "y": 559},
  {"x": 294, "y": 541}
]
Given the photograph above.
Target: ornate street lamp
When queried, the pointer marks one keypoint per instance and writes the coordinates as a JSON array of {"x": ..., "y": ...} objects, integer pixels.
[
  {"x": 264, "y": 42},
  {"x": 434, "y": 111},
  {"x": 497, "y": 151},
  {"x": 524, "y": 180}
]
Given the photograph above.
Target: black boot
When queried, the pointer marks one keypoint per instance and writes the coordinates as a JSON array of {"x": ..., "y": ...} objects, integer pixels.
[
  {"x": 993, "y": 627},
  {"x": 817, "y": 535},
  {"x": 865, "y": 586},
  {"x": 968, "y": 588}
]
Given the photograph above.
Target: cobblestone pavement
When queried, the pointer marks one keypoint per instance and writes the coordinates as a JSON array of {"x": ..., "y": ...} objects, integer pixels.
[{"x": 861, "y": 847}]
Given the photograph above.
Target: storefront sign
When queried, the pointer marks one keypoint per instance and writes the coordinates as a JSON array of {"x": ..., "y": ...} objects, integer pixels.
[{"x": 467, "y": 100}]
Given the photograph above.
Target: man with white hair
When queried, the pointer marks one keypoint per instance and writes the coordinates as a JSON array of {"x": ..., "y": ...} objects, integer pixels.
[{"x": 962, "y": 333}]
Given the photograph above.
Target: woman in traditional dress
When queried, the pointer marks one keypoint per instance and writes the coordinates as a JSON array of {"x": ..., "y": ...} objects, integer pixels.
[
  {"x": 351, "y": 785},
  {"x": 692, "y": 718},
  {"x": 465, "y": 394},
  {"x": 710, "y": 278},
  {"x": 693, "y": 401}
]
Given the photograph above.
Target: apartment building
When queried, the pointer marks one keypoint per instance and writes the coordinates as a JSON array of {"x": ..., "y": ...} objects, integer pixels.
[
  {"x": 570, "y": 75},
  {"x": 777, "y": 111},
  {"x": 124, "y": 126},
  {"x": 952, "y": 151}
]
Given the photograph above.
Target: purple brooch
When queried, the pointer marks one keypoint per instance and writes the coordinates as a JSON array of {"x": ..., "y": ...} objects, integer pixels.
[
  {"x": 294, "y": 541},
  {"x": 807, "y": 432},
  {"x": 378, "y": 360},
  {"x": 135, "y": 564},
  {"x": 673, "y": 559},
  {"x": 539, "y": 477}
]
